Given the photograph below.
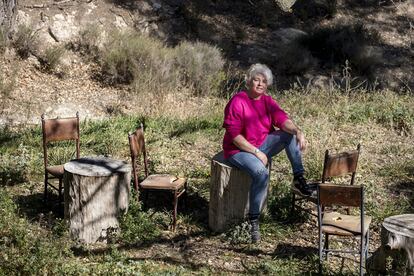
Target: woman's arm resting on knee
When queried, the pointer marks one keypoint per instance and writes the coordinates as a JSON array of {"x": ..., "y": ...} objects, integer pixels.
[
  {"x": 244, "y": 145},
  {"x": 291, "y": 128}
]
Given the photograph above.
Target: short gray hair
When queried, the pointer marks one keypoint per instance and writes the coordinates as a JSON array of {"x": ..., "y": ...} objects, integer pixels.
[{"x": 256, "y": 69}]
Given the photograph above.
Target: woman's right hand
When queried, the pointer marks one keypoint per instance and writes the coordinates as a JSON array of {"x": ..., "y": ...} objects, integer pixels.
[{"x": 262, "y": 157}]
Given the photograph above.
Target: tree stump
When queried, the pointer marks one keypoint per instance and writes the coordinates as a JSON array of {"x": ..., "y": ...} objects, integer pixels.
[
  {"x": 229, "y": 194},
  {"x": 397, "y": 241},
  {"x": 96, "y": 192}
]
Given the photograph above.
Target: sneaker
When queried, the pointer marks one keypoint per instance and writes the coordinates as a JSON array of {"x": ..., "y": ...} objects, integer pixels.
[
  {"x": 255, "y": 230},
  {"x": 300, "y": 183}
]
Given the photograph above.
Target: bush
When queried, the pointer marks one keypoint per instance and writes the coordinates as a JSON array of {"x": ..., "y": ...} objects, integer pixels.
[
  {"x": 88, "y": 40},
  {"x": 201, "y": 66},
  {"x": 52, "y": 57},
  {"x": 25, "y": 41},
  {"x": 143, "y": 62}
]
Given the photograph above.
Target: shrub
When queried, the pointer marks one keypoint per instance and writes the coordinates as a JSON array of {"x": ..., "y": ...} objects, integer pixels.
[
  {"x": 25, "y": 41},
  {"x": 201, "y": 66},
  {"x": 88, "y": 40},
  {"x": 52, "y": 57},
  {"x": 131, "y": 58}
]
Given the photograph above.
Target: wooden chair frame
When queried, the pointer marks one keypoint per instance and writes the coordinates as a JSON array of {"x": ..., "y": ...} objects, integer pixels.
[
  {"x": 137, "y": 147},
  {"x": 53, "y": 130},
  {"x": 342, "y": 195},
  {"x": 338, "y": 164}
]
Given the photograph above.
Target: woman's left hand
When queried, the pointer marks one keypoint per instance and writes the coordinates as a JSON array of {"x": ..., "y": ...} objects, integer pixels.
[{"x": 300, "y": 138}]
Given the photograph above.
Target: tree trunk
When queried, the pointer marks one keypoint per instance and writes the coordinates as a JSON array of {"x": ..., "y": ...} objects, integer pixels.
[
  {"x": 229, "y": 194},
  {"x": 8, "y": 11},
  {"x": 96, "y": 192}
]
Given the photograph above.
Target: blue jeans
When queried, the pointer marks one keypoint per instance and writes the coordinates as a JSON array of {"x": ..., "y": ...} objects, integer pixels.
[{"x": 245, "y": 161}]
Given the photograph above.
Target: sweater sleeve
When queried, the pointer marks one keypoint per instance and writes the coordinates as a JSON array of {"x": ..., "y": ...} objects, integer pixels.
[
  {"x": 233, "y": 122},
  {"x": 279, "y": 116}
]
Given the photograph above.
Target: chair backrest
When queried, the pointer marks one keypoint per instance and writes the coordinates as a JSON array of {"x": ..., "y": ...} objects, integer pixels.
[
  {"x": 137, "y": 147},
  {"x": 340, "y": 164},
  {"x": 340, "y": 195},
  {"x": 60, "y": 129}
]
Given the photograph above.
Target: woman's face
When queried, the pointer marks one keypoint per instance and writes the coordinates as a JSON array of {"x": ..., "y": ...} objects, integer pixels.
[{"x": 258, "y": 86}]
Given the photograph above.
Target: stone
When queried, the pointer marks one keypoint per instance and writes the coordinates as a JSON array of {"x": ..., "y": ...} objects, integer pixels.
[{"x": 63, "y": 28}]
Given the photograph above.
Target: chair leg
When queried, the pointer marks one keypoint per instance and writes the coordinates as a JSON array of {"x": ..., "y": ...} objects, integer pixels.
[
  {"x": 175, "y": 203},
  {"x": 320, "y": 254},
  {"x": 60, "y": 190},
  {"x": 185, "y": 196},
  {"x": 45, "y": 190},
  {"x": 326, "y": 246},
  {"x": 361, "y": 255}
]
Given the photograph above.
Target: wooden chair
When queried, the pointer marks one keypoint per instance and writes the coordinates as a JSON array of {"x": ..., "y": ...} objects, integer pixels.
[
  {"x": 335, "y": 165},
  {"x": 339, "y": 224},
  {"x": 155, "y": 182},
  {"x": 59, "y": 129}
]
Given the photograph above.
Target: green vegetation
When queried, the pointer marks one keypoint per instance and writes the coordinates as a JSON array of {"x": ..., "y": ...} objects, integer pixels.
[{"x": 33, "y": 243}]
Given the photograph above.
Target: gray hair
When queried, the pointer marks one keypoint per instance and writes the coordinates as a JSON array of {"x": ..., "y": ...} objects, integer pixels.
[{"x": 256, "y": 69}]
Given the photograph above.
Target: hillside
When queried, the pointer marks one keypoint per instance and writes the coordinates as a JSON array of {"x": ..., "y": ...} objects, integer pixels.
[{"x": 245, "y": 31}]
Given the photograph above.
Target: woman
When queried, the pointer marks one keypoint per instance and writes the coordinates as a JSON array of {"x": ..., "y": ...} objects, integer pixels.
[{"x": 251, "y": 139}]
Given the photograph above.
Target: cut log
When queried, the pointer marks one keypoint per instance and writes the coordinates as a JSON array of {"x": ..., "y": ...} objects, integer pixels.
[
  {"x": 96, "y": 192},
  {"x": 397, "y": 241},
  {"x": 229, "y": 194}
]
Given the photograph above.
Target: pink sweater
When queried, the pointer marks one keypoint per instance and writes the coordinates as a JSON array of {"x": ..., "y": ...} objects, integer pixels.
[{"x": 253, "y": 119}]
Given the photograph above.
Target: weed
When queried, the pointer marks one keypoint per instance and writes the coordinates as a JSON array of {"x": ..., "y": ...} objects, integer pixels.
[
  {"x": 239, "y": 234},
  {"x": 25, "y": 41}
]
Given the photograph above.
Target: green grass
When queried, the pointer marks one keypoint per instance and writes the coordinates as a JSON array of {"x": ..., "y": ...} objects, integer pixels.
[{"x": 32, "y": 243}]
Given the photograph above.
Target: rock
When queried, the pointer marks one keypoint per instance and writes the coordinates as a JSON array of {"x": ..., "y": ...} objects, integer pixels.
[
  {"x": 63, "y": 28},
  {"x": 22, "y": 18},
  {"x": 120, "y": 22},
  {"x": 287, "y": 35},
  {"x": 285, "y": 5},
  {"x": 306, "y": 9},
  {"x": 144, "y": 7}
]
